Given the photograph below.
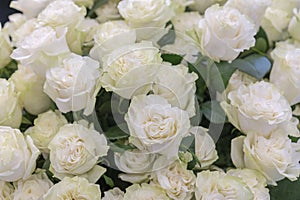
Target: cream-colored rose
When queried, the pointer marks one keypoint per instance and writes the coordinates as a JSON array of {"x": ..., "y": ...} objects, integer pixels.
[
  {"x": 110, "y": 36},
  {"x": 75, "y": 151},
  {"x": 108, "y": 11},
  {"x": 202, "y": 5},
  {"x": 131, "y": 69},
  {"x": 42, "y": 49},
  {"x": 11, "y": 111},
  {"x": 179, "y": 93},
  {"x": 179, "y": 6},
  {"x": 29, "y": 85},
  {"x": 205, "y": 148},
  {"x": 86, "y": 3},
  {"x": 225, "y": 28},
  {"x": 218, "y": 185},
  {"x": 34, "y": 187},
  {"x": 259, "y": 107},
  {"x": 73, "y": 188},
  {"x": 254, "y": 180},
  {"x": 30, "y": 8},
  {"x": 286, "y": 70},
  {"x": 155, "y": 126},
  {"x": 145, "y": 191},
  {"x": 276, "y": 157},
  {"x": 18, "y": 155},
  {"x": 113, "y": 194},
  {"x": 73, "y": 86},
  {"x": 294, "y": 25},
  {"x": 6, "y": 190},
  {"x": 6, "y": 48},
  {"x": 255, "y": 10},
  {"x": 136, "y": 164},
  {"x": 46, "y": 125},
  {"x": 176, "y": 180}
]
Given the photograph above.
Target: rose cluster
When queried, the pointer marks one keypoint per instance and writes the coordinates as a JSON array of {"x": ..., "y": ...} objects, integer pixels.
[{"x": 124, "y": 99}]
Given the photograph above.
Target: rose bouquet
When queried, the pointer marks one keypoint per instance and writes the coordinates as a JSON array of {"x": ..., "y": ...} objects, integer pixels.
[{"x": 150, "y": 99}]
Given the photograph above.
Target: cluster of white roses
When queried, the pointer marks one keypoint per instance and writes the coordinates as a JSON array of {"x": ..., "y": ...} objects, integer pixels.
[{"x": 68, "y": 50}]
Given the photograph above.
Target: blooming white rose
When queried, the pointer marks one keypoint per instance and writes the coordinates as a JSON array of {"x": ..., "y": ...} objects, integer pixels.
[
  {"x": 205, "y": 148},
  {"x": 42, "y": 49},
  {"x": 28, "y": 85},
  {"x": 108, "y": 11},
  {"x": 225, "y": 28},
  {"x": 33, "y": 187},
  {"x": 253, "y": 9},
  {"x": 179, "y": 6},
  {"x": 76, "y": 150},
  {"x": 254, "y": 180},
  {"x": 276, "y": 157},
  {"x": 202, "y": 5},
  {"x": 110, "y": 36},
  {"x": 294, "y": 25},
  {"x": 6, "y": 190},
  {"x": 259, "y": 107},
  {"x": 286, "y": 70},
  {"x": 73, "y": 86},
  {"x": 30, "y": 8},
  {"x": 145, "y": 191},
  {"x": 73, "y": 188},
  {"x": 6, "y": 48},
  {"x": 136, "y": 164},
  {"x": 46, "y": 125},
  {"x": 176, "y": 180},
  {"x": 218, "y": 185},
  {"x": 18, "y": 155},
  {"x": 131, "y": 69},
  {"x": 113, "y": 194},
  {"x": 155, "y": 126},
  {"x": 11, "y": 114}
]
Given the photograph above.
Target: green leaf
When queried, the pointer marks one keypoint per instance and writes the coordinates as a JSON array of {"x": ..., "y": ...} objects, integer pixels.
[
  {"x": 120, "y": 147},
  {"x": 168, "y": 38},
  {"x": 261, "y": 44},
  {"x": 114, "y": 133},
  {"x": 108, "y": 181},
  {"x": 285, "y": 189},
  {"x": 26, "y": 121},
  {"x": 96, "y": 5},
  {"x": 172, "y": 58},
  {"x": 7, "y": 71},
  {"x": 213, "y": 112},
  {"x": 226, "y": 71},
  {"x": 255, "y": 65}
]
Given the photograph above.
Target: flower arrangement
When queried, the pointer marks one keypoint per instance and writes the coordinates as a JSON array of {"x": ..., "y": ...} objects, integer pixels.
[{"x": 150, "y": 99}]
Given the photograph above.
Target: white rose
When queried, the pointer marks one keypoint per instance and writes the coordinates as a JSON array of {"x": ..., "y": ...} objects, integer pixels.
[
  {"x": 33, "y": 187},
  {"x": 110, "y": 36},
  {"x": 276, "y": 157},
  {"x": 186, "y": 21},
  {"x": 286, "y": 70},
  {"x": 205, "y": 148},
  {"x": 145, "y": 191},
  {"x": 226, "y": 28},
  {"x": 6, "y": 48},
  {"x": 179, "y": 6},
  {"x": 73, "y": 85},
  {"x": 42, "y": 49},
  {"x": 202, "y": 5},
  {"x": 11, "y": 114},
  {"x": 28, "y": 85},
  {"x": 155, "y": 126},
  {"x": 179, "y": 93},
  {"x": 18, "y": 155},
  {"x": 113, "y": 194},
  {"x": 46, "y": 125},
  {"x": 294, "y": 25},
  {"x": 259, "y": 107},
  {"x": 131, "y": 69},
  {"x": 30, "y": 8},
  {"x": 6, "y": 190},
  {"x": 108, "y": 11},
  {"x": 76, "y": 150},
  {"x": 218, "y": 185},
  {"x": 176, "y": 180},
  {"x": 73, "y": 188},
  {"x": 254, "y": 180},
  {"x": 136, "y": 164},
  {"x": 253, "y": 9}
]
